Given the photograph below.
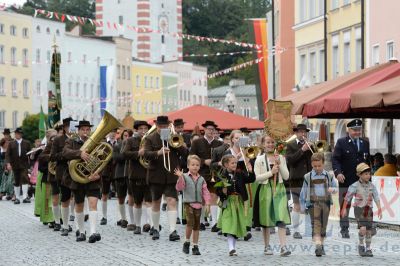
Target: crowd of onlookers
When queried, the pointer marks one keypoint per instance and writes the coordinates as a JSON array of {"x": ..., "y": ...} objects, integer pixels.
[{"x": 385, "y": 165}]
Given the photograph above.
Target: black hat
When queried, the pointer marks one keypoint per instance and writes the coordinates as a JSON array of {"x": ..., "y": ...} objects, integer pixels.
[
  {"x": 301, "y": 127},
  {"x": 83, "y": 123},
  {"x": 58, "y": 127},
  {"x": 67, "y": 120},
  {"x": 244, "y": 130},
  {"x": 178, "y": 122},
  {"x": 162, "y": 120},
  {"x": 18, "y": 130},
  {"x": 356, "y": 123},
  {"x": 6, "y": 131},
  {"x": 209, "y": 123},
  {"x": 223, "y": 134},
  {"x": 139, "y": 123}
]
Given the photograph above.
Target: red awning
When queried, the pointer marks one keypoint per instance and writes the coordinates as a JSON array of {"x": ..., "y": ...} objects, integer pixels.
[
  {"x": 339, "y": 100},
  {"x": 198, "y": 114}
]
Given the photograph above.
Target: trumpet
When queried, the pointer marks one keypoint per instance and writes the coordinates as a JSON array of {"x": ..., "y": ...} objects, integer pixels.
[
  {"x": 310, "y": 146},
  {"x": 175, "y": 140}
]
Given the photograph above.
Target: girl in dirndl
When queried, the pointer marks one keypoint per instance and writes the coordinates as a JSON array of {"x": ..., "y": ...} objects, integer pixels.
[
  {"x": 233, "y": 196},
  {"x": 270, "y": 203}
]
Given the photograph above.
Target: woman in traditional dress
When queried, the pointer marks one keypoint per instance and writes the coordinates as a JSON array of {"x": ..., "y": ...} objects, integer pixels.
[
  {"x": 271, "y": 204},
  {"x": 6, "y": 177}
]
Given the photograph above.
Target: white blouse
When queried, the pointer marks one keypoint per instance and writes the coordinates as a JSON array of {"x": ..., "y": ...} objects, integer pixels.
[{"x": 263, "y": 172}]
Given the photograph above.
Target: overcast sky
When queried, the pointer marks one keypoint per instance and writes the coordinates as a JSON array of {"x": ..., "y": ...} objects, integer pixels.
[{"x": 10, "y": 2}]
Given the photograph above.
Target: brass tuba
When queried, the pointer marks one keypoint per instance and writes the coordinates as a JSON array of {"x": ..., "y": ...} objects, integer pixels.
[
  {"x": 100, "y": 152},
  {"x": 175, "y": 140},
  {"x": 322, "y": 146},
  {"x": 251, "y": 152},
  {"x": 142, "y": 160},
  {"x": 52, "y": 167}
]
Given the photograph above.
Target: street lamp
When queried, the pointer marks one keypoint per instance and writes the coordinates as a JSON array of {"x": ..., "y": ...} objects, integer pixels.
[{"x": 230, "y": 100}]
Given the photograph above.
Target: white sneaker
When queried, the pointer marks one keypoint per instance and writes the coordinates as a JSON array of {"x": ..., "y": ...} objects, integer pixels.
[{"x": 268, "y": 250}]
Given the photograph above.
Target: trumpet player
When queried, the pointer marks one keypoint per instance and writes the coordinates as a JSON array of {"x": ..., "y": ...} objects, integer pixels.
[
  {"x": 162, "y": 180},
  {"x": 90, "y": 190},
  {"x": 138, "y": 189},
  {"x": 58, "y": 186},
  {"x": 298, "y": 155}
]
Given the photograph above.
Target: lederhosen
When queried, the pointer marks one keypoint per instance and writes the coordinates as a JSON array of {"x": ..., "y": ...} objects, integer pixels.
[
  {"x": 60, "y": 185},
  {"x": 108, "y": 174},
  {"x": 120, "y": 178}
]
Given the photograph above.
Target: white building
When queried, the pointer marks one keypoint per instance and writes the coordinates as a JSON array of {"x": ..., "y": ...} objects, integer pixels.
[
  {"x": 164, "y": 16},
  {"x": 192, "y": 82},
  {"x": 44, "y": 33},
  {"x": 82, "y": 58}
]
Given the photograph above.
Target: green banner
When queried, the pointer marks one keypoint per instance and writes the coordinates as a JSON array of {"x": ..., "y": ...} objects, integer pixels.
[{"x": 54, "y": 105}]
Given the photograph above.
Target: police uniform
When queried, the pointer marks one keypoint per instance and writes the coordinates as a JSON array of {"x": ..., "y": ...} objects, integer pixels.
[{"x": 348, "y": 153}]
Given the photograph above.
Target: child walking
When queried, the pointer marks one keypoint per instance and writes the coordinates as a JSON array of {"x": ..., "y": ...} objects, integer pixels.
[
  {"x": 233, "y": 196},
  {"x": 195, "y": 192},
  {"x": 315, "y": 198},
  {"x": 363, "y": 192}
]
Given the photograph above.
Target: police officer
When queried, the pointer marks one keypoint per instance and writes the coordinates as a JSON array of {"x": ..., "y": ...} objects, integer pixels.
[{"x": 348, "y": 153}]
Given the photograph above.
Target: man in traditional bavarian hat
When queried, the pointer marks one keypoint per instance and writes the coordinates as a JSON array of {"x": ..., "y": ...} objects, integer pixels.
[
  {"x": 348, "y": 153},
  {"x": 298, "y": 156},
  {"x": 90, "y": 190},
  {"x": 161, "y": 180},
  {"x": 18, "y": 162}
]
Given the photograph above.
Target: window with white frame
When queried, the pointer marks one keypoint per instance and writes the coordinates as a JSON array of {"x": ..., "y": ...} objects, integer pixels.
[
  {"x": 375, "y": 54},
  {"x": 303, "y": 66},
  {"x": 145, "y": 82},
  {"x": 84, "y": 59},
  {"x": 13, "y": 30},
  {"x": 1, "y": 54},
  {"x": 184, "y": 96},
  {"x": 84, "y": 90},
  {"x": 69, "y": 88},
  {"x": 2, "y": 88},
  {"x": 188, "y": 97},
  {"x": 194, "y": 99},
  {"x": 15, "y": 119},
  {"x": 302, "y": 10},
  {"x": 389, "y": 50},
  {"x": 2, "y": 119},
  {"x": 153, "y": 107},
  {"x": 13, "y": 56},
  {"x": 91, "y": 90},
  {"x": 180, "y": 95},
  {"x": 128, "y": 99},
  {"x": 25, "y": 33},
  {"x": 120, "y": 20},
  {"x": 69, "y": 57},
  {"x": 38, "y": 88},
  {"x": 48, "y": 30},
  {"x": 321, "y": 66},
  {"x": 123, "y": 72},
  {"x": 346, "y": 58},
  {"x": 137, "y": 81},
  {"x": 118, "y": 98},
  {"x": 1, "y": 28},
  {"x": 334, "y": 4},
  {"x": 128, "y": 72},
  {"x": 346, "y": 2},
  {"x": 25, "y": 86},
  {"x": 118, "y": 71},
  {"x": 77, "y": 89},
  {"x": 313, "y": 67},
  {"x": 151, "y": 82},
  {"x": 25, "y": 58},
  {"x": 37, "y": 56},
  {"x": 138, "y": 107},
  {"x": 358, "y": 54},
  {"x": 123, "y": 98},
  {"x": 14, "y": 88},
  {"x": 38, "y": 29},
  {"x": 335, "y": 61},
  {"x": 312, "y": 8},
  {"x": 246, "y": 112},
  {"x": 321, "y": 7},
  {"x": 157, "y": 82}
]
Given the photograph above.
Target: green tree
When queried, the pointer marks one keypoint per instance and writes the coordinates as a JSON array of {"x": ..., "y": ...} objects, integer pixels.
[{"x": 30, "y": 127}]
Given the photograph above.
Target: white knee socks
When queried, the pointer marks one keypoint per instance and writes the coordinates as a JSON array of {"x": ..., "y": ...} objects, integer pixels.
[
  {"x": 92, "y": 221},
  {"x": 137, "y": 212},
  {"x": 156, "y": 219},
  {"x": 231, "y": 242},
  {"x": 172, "y": 220},
  {"x": 131, "y": 215},
  {"x": 214, "y": 214},
  {"x": 104, "y": 208},
  {"x": 80, "y": 220},
  {"x": 24, "y": 191},
  {"x": 122, "y": 211},
  {"x": 56, "y": 214},
  {"x": 65, "y": 216},
  {"x": 295, "y": 220}
]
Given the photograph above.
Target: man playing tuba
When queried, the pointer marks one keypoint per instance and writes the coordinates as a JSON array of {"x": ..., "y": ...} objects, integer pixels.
[{"x": 91, "y": 189}]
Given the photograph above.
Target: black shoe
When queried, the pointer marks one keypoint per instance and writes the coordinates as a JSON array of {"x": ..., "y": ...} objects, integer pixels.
[
  {"x": 81, "y": 237},
  {"x": 345, "y": 234},
  {"x": 318, "y": 251},
  {"x": 146, "y": 228},
  {"x": 131, "y": 227},
  {"x": 86, "y": 217},
  {"x": 72, "y": 218},
  {"x": 77, "y": 233},
  {"x": 164, "y": 207},
  {"x": 186, "y": 247},
  {"x": 220, "y": 233},
  {"x": 57, "y": 227},
  {"x": 202, "y": 227},
  {"x": 69, "y": 228},
  {"x": 16, "y": 201},
  {"x": 151, "y": 231},
  {"x": 137, "y": 231},
  {"x": 288, "y": 231},
  {"x": 207, "y": 224},
  {"x": 184, "y": 221},
  {"x": 64, "y": 232},
  {"x": 297, "y": 235},
  {"x": 232, "y": 253},
  {"x": 26, "y": 200},
  {"x": 195, "y": 250},
  {"x": 118, "y": 222},
  {"x": 94, "y": 238},
  {"x": 361, "y": 251},
  {"x": 124, "y": 223},
  {"x": 214, "y": 229},
  {"x": 178, "y": 221},
  {"x": 155, "y": 235},
  {"x": 173, "y": 236},
  {"x": 8, "y": 198},
  {"x": 368, "y": 253},
  {"x": 103, "y": 221},
  {"x": 248, "y": 237},
  {"x": 51, "y": 225},
  {"x": 259, "y": 229},
  {"x": 323, "y": 250}
]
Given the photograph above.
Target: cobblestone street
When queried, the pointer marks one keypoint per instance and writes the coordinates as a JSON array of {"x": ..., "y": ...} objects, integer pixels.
[{"x": 25, "y": 241}]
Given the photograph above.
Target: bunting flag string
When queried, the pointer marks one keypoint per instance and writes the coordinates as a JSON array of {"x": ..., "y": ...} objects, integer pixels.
[
  {"x": 234, "y": 68},
  {"x": 117, "y": 26}
]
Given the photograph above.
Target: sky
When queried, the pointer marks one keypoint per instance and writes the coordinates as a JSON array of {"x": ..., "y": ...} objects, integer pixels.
[{"x": 11, "y": 2}]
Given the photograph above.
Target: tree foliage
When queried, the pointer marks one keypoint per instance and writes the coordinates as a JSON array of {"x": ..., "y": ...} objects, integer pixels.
[
  {"x": 225, "y": 19},
  {"x": 30, "y": 127}
]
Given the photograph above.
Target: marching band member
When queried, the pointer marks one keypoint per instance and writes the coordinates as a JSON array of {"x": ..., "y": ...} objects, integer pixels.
[
  {"x": 203, "y": 148},
  {"x": 18, "y": 162},
  {"x": 233, "y": 195},
  {"x": 160, "y": 179},
  {"x": 271, "y": 204},
  {"x": 138, "y": 190},
  {"x": 91, "y": 190},
  {"x": 121, "y": 175},
  {"x": 106, "y": 176}
]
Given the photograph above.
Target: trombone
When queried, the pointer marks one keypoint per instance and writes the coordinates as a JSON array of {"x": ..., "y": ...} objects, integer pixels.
[{"x": 165, "y": 134}]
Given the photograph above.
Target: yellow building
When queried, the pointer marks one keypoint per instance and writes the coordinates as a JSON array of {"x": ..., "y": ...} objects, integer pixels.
[
  {"x": 15, "y": 69},
  {"x": 147, "y": 88}
]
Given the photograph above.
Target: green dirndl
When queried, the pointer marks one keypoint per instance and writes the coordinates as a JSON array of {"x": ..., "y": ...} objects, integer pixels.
[
  {"x": 7, "y": 183},
  {"x": 272, "y": 209},
  {"x": 43, "y": 200},
  {"x": 233, "y": 220},
  {"x": 38, "y": 194}
]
